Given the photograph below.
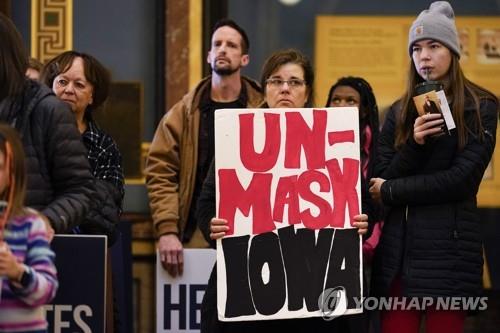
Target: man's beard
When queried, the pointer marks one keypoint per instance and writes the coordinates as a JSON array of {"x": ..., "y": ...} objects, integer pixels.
[{"x": 225, "y": 71}]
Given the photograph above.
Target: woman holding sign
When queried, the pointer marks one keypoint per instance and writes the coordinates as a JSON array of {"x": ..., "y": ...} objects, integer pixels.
[
  {"x": 287, "y": 78},
  {"x": 431, "y": 245}
]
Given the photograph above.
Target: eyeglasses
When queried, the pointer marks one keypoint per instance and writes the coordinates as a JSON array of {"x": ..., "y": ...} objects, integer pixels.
[
  {"x": 63, "y": 83},
  {"x": 292, "y": 83}
]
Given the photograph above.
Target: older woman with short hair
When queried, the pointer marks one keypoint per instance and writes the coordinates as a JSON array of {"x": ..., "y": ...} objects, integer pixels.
[{"x": 83, "y": 82}]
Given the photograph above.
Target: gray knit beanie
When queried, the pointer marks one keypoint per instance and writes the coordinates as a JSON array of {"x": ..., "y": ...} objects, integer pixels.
[{"x": 437, "y": 23}]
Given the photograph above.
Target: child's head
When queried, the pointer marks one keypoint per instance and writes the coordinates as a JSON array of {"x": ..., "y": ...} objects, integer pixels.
[{"x": 12, "y": 171}]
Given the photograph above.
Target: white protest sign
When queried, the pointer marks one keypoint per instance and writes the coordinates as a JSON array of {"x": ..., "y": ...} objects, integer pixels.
[
  {"x": 178, "y": 300},
  {"x": 288, "y": 182}
]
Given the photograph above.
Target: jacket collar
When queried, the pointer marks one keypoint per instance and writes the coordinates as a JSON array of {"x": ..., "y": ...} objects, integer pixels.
[
  {"x": 251, "y": 88},
  {"x": 16, "y": 109}
]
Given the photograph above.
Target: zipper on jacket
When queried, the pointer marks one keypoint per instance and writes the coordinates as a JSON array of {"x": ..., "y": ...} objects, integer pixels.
[
  {"x": 406, "y": 244},
  {"x": 455, "y": 223}
]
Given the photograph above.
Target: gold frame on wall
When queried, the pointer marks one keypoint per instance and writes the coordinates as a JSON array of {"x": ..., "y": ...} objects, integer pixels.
[
  {"x": 195, "y": 42},
  {"x": 51, "y": 28}
]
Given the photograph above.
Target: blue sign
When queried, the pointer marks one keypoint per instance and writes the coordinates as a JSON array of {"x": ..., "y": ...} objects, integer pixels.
[{"x": 79, "y": 305}]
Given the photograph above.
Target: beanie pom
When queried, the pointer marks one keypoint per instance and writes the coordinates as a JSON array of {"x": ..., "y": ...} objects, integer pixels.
[
  {"x": 436, "y": 23},
  {"x": 442, "y": 7}
]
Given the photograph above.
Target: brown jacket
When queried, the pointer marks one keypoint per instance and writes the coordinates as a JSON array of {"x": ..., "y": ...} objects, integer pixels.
[{"x": 173, "y": 156}]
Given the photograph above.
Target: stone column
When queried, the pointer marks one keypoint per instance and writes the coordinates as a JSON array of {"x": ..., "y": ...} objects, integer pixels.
[{"x": 176, "y": 51}]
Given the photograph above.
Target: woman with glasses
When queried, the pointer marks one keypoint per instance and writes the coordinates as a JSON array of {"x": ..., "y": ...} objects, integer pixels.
[
  {"x": 287, "y": 79},
  {"x": 83, "y": 83}
]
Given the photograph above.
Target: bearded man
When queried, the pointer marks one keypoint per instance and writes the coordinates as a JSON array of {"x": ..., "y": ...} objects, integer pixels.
[{"x": 183, "y": 146}]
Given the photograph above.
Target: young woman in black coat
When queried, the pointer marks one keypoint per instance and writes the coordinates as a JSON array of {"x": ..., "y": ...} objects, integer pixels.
[{"x": 428, "y": 179}]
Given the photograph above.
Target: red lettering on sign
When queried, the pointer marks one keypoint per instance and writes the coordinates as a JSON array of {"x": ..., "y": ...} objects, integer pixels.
[
  {"x": 264, "y": 161},
  {"x": 257, "y": 196},
  {"x": 299, "y": 135}
]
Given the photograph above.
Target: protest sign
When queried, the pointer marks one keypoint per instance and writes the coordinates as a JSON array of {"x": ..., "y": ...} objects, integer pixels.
[
  {"x": 178, "y": 299},
  {"x": 81, "y": 270},
  {"x": 288, "y": 183}
]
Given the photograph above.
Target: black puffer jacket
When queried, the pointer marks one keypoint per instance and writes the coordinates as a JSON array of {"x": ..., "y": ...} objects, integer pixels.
[
  {"x": 60, "y": 184},
  {"x": 104, "y": 214},
  {"x": 432, "y": 233}
]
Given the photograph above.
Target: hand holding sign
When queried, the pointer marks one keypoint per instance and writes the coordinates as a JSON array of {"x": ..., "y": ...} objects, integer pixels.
[
  {"x": 171, "y": 256},
  {"x": 218, "y": 228},
  {"x": 288, "y": 213},
  {"x": 361, "y": 222}
]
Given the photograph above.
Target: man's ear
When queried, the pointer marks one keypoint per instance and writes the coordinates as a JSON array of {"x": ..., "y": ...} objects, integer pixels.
[
  {"x": 245, "y": 59},
  {"x": 208, "y": 58}
]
